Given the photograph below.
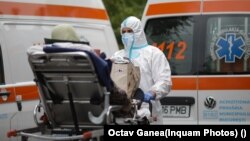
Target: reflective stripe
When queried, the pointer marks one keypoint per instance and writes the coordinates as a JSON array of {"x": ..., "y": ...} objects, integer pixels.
[
  {"x": 27, "y": 93},
  {"x": 29, "y": 9},
  {"x": 226, "y": 6},
  {"x": 179, "y": 83},
  {"x": 185, "y": 7},
  {"x": 173, "y": 8},
  {"x": 211, "y": 83}
]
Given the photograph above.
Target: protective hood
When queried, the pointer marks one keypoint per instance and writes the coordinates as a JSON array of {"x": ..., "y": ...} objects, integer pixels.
[{"x": 139, "y": 35}]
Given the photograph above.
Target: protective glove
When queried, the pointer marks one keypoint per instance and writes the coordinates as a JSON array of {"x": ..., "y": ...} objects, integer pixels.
[{"x": 148, "y": 96}]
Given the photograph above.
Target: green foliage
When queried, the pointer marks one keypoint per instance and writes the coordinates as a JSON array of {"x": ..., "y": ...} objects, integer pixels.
[{"x": 118, "y": 10}]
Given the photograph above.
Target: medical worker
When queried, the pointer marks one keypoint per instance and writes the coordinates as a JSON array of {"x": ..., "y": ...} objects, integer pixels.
[{"x": 154, "y": 67}]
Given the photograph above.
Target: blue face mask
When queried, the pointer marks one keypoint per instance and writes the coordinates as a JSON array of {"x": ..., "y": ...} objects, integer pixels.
[{"x": 128, "y": 40}]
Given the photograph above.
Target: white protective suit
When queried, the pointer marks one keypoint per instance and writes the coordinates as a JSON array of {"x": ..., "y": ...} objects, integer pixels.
[{"x": 154, "y": 67}]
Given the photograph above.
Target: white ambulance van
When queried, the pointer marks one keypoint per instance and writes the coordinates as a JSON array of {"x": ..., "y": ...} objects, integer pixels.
[
  {"x": 27, "y": 22},
  {"x": 207, "y": 45}
]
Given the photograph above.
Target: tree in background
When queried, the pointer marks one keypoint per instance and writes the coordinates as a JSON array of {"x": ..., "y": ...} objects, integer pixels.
[{"x": 118, "y": 10}]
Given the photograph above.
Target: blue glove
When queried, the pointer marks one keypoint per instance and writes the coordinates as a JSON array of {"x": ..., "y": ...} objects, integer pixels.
[{"x": 148, "y": 96}]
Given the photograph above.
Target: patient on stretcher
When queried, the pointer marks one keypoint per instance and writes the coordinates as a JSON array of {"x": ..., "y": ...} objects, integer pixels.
[{"x": 102, "y": 66}]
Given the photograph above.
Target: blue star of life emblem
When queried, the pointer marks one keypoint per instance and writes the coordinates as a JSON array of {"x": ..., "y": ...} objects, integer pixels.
[{"x": 230, "y": 47}]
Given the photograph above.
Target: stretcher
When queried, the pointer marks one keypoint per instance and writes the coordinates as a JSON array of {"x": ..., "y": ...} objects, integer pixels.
[{"x": 75, "y": 101}]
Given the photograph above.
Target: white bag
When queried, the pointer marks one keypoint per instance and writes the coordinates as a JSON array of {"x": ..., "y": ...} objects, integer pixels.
[{"x": 126, "y": 76}]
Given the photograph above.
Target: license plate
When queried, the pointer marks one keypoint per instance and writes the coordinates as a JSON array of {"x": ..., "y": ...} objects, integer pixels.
[{"x": 182, "y": 111}]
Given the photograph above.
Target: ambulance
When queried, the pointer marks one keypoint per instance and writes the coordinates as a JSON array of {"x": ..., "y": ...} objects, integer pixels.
[
  {"x": 24, "y": 23},
  {"x": 207, "y": 45}
]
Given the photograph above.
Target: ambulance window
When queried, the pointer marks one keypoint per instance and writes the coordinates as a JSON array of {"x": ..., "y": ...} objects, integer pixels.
[
  {"x": 227, "y": 45},
  {"x": 174, "y": 36},
  {"x": 1, "y": 67}
]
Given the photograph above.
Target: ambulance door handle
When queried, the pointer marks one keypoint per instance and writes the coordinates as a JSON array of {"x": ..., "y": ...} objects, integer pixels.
[
  {"x": 172, "y": 100},
  {"x": 5, "y": 93}
]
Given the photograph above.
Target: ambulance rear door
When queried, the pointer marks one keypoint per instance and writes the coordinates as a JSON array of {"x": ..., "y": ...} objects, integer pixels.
[
  {"x": 178, "y": 37},
  {"x": 224, "y": 67}
]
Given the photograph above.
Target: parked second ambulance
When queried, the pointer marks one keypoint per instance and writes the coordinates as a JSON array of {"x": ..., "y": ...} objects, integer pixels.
[
  {"x": 208, "y": 47},
  {"x": 27, "y": 22}
]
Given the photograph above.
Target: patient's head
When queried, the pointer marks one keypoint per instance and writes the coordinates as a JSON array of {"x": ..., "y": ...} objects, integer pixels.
[{"x": 64, "y": 32}]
